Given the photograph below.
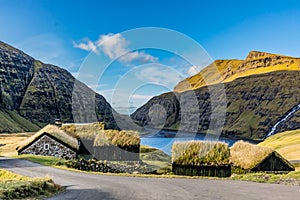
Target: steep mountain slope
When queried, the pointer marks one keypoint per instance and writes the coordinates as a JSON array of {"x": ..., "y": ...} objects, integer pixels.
[
  {"x": 254, "y": 103},
  {"x": 38, "y": 93},
  {"x": 229, "y": 70}
]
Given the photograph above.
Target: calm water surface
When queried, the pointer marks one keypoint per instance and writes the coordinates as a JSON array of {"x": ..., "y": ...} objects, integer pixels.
[{"x": 163, "y": 139}]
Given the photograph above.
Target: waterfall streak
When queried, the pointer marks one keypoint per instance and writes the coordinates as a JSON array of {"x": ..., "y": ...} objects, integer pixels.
[{"x": 295, "y": 109}]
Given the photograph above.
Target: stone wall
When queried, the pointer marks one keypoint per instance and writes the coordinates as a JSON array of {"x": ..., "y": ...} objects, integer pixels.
[
  {"x": 46, "y": 146},
  {"x": 130, "y": 167}
]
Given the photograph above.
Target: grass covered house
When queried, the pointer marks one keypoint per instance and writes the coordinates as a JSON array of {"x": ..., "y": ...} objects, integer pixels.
[
  {"x": 255, "y": 158},
  {"x": 113, "y": 145},
  {"x": 50, "y": 141},
  {"x": 117, "y": 145},
  {"x": 70, "y": 140},
  {"x": 198, "y": 158}
]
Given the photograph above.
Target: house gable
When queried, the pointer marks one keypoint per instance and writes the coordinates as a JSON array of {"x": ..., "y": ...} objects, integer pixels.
[
  {"x": 47, "y": 145},
  {"x": 274, "y": 162}
]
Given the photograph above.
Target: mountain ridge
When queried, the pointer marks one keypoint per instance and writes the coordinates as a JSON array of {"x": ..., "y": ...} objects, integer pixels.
[
  {"x": 38, "y": 93},
  {"x": 221, "y": 71},
  {"x": 254, "y": 102}
]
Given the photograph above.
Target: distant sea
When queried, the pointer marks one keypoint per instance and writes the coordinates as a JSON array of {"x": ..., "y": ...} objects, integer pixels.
[{"x": 164, "y": 139}]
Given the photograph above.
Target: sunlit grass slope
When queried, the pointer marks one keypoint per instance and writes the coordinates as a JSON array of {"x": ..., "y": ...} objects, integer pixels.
[
  {"x": 286, "y": 143},
  {"x": 229, "y": 70}
]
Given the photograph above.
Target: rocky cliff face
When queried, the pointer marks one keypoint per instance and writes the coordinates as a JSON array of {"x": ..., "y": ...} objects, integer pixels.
[
  {"x": 254, "y": 104},
  {"x": 39, "y": 93}
]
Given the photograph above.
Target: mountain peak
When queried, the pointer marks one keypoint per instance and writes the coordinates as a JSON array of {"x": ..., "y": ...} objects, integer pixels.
[
  {"x": 257, "y": 62},
  {"x": 259, "y": 54}
]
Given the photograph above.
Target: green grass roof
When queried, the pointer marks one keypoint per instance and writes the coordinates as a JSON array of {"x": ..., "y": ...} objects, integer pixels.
[
  {"x": 247, "y": 156},
  {"x": 101, "y": 137},
  {"x": 83, "y": 131},
  {"x": 117, "y": 138},
  {"x": 200, "y": 153}
]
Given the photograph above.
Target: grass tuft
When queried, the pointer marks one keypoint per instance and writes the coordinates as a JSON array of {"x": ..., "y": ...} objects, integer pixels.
[{"x": 14, "y": 186}]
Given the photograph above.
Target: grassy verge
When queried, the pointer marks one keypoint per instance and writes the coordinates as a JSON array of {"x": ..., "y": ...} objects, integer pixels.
[
  {"x": 14, "y": 186},
  {"x": 292, "y": 178},
  {"x": 43, "y": 160},
  {"x": 155, "y": 158}
]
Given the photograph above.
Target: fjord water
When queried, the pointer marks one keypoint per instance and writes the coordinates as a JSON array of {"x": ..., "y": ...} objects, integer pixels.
[{"x": 164, "y": 139}]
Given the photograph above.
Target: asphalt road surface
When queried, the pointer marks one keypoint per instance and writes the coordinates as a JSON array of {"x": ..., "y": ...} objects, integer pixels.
[{"x": 84, "y": 186}]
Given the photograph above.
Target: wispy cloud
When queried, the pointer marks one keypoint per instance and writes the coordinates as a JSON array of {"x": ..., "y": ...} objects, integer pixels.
[
  {"x": 123, "y": 102},
  {"x": 115, "y": 46},
  {"x": 88, "y": 46},
  {"x": 135, "y": 97},
  {"x": 159, "y": 75}
]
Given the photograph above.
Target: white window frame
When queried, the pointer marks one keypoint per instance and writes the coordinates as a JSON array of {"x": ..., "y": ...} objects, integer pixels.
[{"x": 46, "y": 146}]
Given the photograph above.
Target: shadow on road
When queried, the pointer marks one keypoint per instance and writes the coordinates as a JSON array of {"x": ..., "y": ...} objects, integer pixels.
[
  {"x": 14, "y": 162},
  {"x": 86, "y": 194}
]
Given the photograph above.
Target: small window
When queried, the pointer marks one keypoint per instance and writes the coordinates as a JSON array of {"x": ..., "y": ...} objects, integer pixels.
[{"x": 46, "y": 146}]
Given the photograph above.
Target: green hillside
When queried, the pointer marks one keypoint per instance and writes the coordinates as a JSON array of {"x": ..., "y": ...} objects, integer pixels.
[
  {"x": 286, "y": 143},
  {"x": 12, "y": 122}
]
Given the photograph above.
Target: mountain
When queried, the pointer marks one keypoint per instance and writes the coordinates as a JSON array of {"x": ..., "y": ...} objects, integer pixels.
[
  {"x": 33, "y": 94},
  {"x": 229, "y": 70},
  {"x": 255, "y": 97}
]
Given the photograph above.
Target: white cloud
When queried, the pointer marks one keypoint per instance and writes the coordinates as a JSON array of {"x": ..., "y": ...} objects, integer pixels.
[
  {"x": 115, "y": 47},
  {"x": 159, "y": 75},
  {"x": 193, "y": 70},
  {"x": 140, "y": 97},
  {"x": 122, "y": 102},
  {"x": 88, "y": 46}
]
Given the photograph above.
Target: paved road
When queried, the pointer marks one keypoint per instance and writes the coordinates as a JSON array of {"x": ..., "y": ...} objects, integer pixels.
[{"x": 88, "y": 186}]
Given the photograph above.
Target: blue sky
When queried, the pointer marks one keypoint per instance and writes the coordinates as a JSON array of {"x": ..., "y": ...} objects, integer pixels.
[{"x": 57, "y": 32}]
